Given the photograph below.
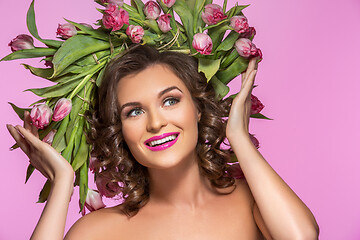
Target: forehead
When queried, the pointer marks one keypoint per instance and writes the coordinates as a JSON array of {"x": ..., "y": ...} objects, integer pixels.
[{"x": 150, "y": 81}]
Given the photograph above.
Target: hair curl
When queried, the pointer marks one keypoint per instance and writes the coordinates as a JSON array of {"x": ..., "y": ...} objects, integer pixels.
[{"x": 114, "y": 160}]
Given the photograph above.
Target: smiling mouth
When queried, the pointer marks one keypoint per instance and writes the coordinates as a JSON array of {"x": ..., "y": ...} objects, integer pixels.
[{"x": 162, "y": 141}]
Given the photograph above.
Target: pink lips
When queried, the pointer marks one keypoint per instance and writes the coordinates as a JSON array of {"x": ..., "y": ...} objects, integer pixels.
[{"x": 164, "y": 145}]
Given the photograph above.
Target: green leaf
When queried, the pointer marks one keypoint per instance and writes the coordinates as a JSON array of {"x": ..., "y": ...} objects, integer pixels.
[
  {"x": 29, "y": 53},
  {"x": 88, "y": 30},
  {"x": 19, "y": 111},
  {"x": 229, "y": 59},
  {"x": 83, "y": 184},
  {"x": 29, "y": 171},
  {"x": 187, "y": 18},
  {"x": 217, "y": 33},
  {"x": 44, "y": 192},
  {"x": 100, "y": 77},
  {"x": 31, "y": 24},
  {"x": 133, "y": 13},
  {"x": 57, "y": 90},
  {"x": 75, "y": 48},
  {"x": 152, "y": 24},
  {"x": 60, "y": 134},
  {"x": 140, "y": 6},
  {"x": 198, "y": 7},
  {"x": 82, "y": 154},
  {"x": 40, "y": 72},
  {"x": 260, "y": 116},
  {"x": 220, "y": 88},
  {"x": 209, "y": 67},
  {"x": 236, "y": 10},
  {"x": 228, "y": 42},
  {"x": 237, "y": 67}
]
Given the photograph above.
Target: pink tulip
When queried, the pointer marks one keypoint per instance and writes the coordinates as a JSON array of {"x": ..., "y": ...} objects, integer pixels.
[
  {"x": 62, "y": 109},
  {"x": 136, "y": 33},
  {"x": 212, "y": 14},
  {"x": 93, "y": 201},
  {"x": 202, "y": 43},
  {"x": 152, "y": 10},
  {"x": 40, "y": 116},
  {"x": 49, "y": 137},
  {"x": 235, "y": 171},
  {"x": 116, "y": 2},
  {"x": 164, "y": 22},
  {"x": 105, "y": 186},
  {"x": 239, "y": 24},
  {"x": 251, "y": 32},
  {"x": 114, "y": 17},
  {"x": 66, "y": 30},
  {"x": 254, "y": 140},
  {"x": 169, "y": 3},
  {"x": 256, "y": 105},
  {"x": 21, "y": 42},
  {"x": 246, "y": 48}
]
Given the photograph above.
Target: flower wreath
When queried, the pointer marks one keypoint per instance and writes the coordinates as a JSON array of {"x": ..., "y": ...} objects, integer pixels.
[{"x": 221, "y": 42}]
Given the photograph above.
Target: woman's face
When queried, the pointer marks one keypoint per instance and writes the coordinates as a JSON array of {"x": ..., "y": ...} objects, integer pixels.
[{"x": 159, "y": 118}]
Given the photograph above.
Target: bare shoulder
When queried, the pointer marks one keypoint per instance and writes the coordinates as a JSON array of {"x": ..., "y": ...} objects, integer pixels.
[
  {"x": 97, "y": 224},
  {"x": 243, "y": 189}
]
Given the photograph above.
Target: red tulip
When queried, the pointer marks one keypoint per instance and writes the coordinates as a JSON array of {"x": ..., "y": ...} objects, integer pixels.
[
  {"x": 202, "y": 43},
  {"x": 40, "y": 115}
]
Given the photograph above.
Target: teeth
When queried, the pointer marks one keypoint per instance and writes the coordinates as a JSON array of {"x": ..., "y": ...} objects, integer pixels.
[{"x": 161, "y": 141}]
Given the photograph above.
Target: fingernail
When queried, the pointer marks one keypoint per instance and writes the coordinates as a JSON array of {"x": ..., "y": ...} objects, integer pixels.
[{"x": 11, "y": 149}]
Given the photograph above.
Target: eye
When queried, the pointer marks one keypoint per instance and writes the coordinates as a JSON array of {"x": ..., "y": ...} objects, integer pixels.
[
  {"x": 134, "y": 112},
  {"x": 170, "y": 101}
]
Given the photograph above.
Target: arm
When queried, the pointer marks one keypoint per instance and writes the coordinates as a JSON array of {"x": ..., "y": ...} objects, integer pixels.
[
  {"x": 54, "y": 167},
  {"x": 284, "y": 214}
]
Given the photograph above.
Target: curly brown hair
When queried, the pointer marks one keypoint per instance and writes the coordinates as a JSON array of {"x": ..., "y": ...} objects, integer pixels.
[{"x": 115, "y": 162}]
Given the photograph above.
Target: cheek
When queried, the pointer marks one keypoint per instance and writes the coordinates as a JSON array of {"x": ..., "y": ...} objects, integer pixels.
[{"x": 131, "y": 133}]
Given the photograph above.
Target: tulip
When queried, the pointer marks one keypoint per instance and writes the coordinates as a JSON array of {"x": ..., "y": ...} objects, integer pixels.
[
  {"x": 136, "y": 33},
  {"x": 239, "y": 24},
  {"x": 40, "y": 116},
  {"x": 152, "y": 10},
  {"x": 114, "y": 17},
  {"x": 62, "y": 109},
  {"x": 169, "y": 3},
  {"x": 105, "y": 186},
  {"x": 66, "y": 30},
  {"x": 93, "y": 201},
  {"x": 49, "y": 137},
  {"x": 246, "y": 48},
  {"x": 234, "y": 170},
  {"x": 202, "y": 43},
  {"x": 254, "y": 140},
  {"x": 116, "y": 2},
  {"x": 256, "y": 105},
  {"x": 21, "y": 42},
  {"x": 164, "y": 22},
  {"x": 251, "y": 32},
  {"x": 212, "y": 14}
]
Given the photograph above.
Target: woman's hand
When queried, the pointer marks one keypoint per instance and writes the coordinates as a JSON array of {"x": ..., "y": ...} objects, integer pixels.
[
  {"x": 238, "y": 121},
  {"x": 42, "y": 156}
]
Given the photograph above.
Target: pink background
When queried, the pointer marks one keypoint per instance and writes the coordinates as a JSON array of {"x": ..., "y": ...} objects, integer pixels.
[{"x": 308, "y": 81}]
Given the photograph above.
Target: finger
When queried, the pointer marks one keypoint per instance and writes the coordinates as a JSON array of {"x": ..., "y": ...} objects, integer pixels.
[
  {"x": 27, "y": 120},
  {"x": 250, "y": 82},
  {"x": 29, "y": 137},
  {"x": 18, "y": 138}
]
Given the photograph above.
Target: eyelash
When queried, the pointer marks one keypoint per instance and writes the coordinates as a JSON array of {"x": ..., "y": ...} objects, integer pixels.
[{"x": 129, "y": 114}]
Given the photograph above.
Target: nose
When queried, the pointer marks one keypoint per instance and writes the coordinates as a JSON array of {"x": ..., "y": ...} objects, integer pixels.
[{"x": 155, "y": 121}]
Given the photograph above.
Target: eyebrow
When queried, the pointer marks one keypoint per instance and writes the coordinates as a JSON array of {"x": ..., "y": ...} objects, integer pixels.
[{"x": 159, "y": 95}]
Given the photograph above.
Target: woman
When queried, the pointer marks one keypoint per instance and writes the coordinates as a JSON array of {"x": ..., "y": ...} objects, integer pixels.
[{"x": 153, "y": 130}]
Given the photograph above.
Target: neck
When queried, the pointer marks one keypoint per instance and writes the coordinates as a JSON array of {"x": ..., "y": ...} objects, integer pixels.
[{"x": 182, "y": 186}]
